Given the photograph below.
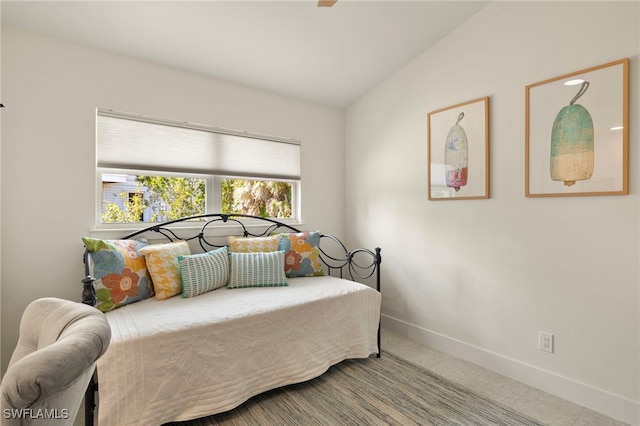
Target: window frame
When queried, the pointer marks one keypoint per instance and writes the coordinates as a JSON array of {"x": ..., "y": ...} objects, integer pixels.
[
  {"x": 213, "y": 187},
  {"x": 213, "y": 195}
]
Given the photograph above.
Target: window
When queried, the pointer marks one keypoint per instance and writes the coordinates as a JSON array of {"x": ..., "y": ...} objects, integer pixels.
[
  {"x": 150, "y": 198},
  {"x": 153, "y": 170},
  {"x": 266, "y": 198}
]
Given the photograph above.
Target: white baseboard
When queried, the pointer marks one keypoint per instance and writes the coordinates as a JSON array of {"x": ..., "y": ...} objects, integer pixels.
[{"x": 611, "y": 405}]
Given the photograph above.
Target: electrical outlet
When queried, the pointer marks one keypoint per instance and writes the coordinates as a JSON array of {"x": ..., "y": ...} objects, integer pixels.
[{"x": 545, "y": 341}]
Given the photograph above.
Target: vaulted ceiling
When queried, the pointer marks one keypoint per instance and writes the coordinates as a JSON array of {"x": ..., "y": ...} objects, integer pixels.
[{"x": 325, "y": 55}]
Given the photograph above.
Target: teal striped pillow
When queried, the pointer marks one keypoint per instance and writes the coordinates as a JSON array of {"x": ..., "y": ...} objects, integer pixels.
[
  {"x": 204, "y": 272},
  {"x": 257, "y": 269}
]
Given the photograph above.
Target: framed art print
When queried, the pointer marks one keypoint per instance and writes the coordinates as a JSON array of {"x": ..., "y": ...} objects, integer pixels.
[
  {"x": 577, "y": 133},
  {"x": 458, "y": 151}
]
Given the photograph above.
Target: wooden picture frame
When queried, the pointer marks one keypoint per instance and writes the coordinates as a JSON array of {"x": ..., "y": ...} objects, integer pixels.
[
  {"x": 458, "y": 151},
  {"x": 577, "y": 133}
]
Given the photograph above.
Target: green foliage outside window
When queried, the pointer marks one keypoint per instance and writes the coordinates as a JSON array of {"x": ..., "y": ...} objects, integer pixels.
[
  {"x": 256, "y": 197},
  {"x": 170, "y": 198},
  {"x": 135, "y": 206}
]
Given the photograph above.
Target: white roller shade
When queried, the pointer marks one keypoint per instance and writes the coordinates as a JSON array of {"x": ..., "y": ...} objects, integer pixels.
[{"x": 126, "y": 141}]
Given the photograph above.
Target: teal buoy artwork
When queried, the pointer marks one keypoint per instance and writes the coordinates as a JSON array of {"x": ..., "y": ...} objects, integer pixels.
[
  {"x": 572, "y": 155},
  {"x": 456, "y": 156}
]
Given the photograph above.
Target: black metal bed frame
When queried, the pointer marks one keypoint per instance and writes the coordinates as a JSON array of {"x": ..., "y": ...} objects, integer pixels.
[{"x": 359, "y": 264}]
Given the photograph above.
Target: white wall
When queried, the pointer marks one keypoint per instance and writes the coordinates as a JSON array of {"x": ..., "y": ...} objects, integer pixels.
[
  {"x": 0, "y": 197},
  {"x": 480, "y": 278},
  {"x": 52, "y": 88}
]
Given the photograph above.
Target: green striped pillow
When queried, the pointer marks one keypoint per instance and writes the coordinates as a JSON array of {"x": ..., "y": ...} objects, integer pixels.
[
  {"x": 257, "y": 269},
  {"x": 204, "y": 272}
]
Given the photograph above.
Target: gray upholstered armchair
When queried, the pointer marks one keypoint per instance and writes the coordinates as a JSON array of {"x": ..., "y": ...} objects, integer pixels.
[{"x": 53, "y": 362}]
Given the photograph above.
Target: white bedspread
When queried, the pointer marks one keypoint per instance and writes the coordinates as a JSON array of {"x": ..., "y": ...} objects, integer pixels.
[{"x": 181, "y": 359}]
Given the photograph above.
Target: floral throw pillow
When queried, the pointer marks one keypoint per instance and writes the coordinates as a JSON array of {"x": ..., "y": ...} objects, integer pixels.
[
  {"x": 302, "y": 254},
  {"x": 120, "y": 271}
]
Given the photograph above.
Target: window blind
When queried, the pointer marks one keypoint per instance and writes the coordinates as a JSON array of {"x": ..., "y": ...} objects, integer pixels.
[{"x": 128, "y": 141}]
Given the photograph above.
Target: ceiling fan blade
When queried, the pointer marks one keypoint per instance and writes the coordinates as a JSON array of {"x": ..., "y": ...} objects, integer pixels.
[{"x": 326, "y": 3}]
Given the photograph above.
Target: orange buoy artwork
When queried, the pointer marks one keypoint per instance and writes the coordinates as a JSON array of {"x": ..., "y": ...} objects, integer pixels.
[
  {"x": 572, "y": 155},
  {"x": 456, "y": 156}
]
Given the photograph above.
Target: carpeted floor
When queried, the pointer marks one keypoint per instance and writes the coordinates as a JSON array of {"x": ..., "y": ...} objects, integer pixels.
[{"x": 373, "y": 391}]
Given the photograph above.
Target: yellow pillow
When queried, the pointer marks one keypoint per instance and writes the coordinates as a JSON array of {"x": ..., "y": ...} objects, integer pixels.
[
  {"x": 250, "y": 245},
  {"x": 163, "y": 265}
]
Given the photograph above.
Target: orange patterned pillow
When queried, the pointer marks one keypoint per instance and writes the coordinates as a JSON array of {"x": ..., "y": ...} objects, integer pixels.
[
  {"x": 162, "y": 261},
  {"x": 250, "y": 245}
]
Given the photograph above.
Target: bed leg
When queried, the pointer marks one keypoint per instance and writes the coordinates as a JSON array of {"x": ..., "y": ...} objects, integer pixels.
[
  {"x": 378, "y": 262},
  {"x": 90, "y": 402}
]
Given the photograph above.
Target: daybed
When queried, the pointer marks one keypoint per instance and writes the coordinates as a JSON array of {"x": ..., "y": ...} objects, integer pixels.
[{"x": 223, "y": 338}]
